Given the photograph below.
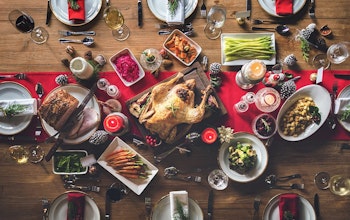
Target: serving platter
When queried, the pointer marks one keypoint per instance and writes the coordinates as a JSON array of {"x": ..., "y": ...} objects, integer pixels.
[
  {"x": 344, "y": 93},
  {"x": 270, "y": 7},
  {"x": 13, "y": 91},
  {"x": 159, "y": 8},
  {"x": 60, "y": 10}
]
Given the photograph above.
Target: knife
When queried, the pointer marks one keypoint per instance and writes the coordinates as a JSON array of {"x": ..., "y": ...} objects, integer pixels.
[
  {"x": 210, "y": 204},
  {"x": 139, "y": 12},
  {"x": 317, "y": 205},
  {"x": 312, "y": 9},
  {"x": 18, "y": 139},
  {"x": 73, "y": 118},
  {"x": 48, "y": 13},
  {"x": 249, "y": 8}
]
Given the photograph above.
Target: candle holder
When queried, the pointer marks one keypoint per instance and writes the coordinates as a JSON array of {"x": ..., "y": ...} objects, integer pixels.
[
  {"x": 250, "y": 74},
  {"x": 267, "y": 99}
]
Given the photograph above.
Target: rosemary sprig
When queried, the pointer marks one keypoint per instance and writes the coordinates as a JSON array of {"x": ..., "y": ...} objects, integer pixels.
[
  {"x": 173, "y": 4},
  {"x": 173, "y": 108},
  {"x": 305, "y": 48},
  {"x": 180, "y": 214},
  {"x": 74, "y": 4},
  {"x": 12, "y": 110}
]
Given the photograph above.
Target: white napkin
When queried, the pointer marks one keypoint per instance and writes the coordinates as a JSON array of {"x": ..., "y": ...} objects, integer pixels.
[
  {"x": 339, "y": 103},
  {"x": 179, "y": 16},
  {"x": 30, "y": 106},
  {"x": 182, "y": 197}
]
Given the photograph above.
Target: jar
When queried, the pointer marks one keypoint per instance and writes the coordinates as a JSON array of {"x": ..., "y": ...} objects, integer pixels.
[{"x": 116, "y": 124}]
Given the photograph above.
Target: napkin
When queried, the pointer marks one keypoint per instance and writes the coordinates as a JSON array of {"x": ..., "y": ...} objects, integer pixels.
[
  {"x": 284, "y": 7},
  {"x": 76, "y": 206},
  {"x": 79, "y": 14},
  {"x": 30, "y": 106},
  {"x": 178, "y": 198},
  {"x": 288, "y": 206},
  {"x": 178, "y": 17},
  {"x": 340, "y": 103}
]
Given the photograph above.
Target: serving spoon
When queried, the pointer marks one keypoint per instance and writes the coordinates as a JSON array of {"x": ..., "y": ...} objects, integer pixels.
[
  {"x": 87, "y": 41},
  {"x": 282, "y": 29}
]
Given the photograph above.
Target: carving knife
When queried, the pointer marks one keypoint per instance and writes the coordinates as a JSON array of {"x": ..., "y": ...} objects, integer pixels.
[
  {"x": 210, "y": 204},
  {"x": 317, "y": 205},
  {"x": 73, "y": 118},
  {"x": 48, "y": 13},
  {"x": 139, "y": 12},
  {"x": 249, "y": 8}
]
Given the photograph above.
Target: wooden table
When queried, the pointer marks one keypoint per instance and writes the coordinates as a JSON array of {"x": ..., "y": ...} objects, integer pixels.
[{"x": 23, "y": 186}]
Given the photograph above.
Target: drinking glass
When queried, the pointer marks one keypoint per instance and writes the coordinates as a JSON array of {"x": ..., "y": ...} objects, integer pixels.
[
  {"x": 340, "y": 185},
  {"x": 215, "y": 20},
  {"x": 321, "y": 60},
  {"x": 217, "y": 179},
  {"x": 35, "y": 153},
  {"x": 115, "y": 20},
  {"x": 19, "y": 154},
  {"x": 338, "y": 53},
  {"x": 25, "y": 24}
]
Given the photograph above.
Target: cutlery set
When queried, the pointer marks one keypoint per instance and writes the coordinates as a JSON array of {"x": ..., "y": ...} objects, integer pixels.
[{"x": 271, "y": 181}]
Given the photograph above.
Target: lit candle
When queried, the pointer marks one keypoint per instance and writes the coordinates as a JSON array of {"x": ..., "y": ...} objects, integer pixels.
[
  {"x": 113, "y": 123},
  {"x": 209, "y": 135},
  {"x": 81, "y": 68}
]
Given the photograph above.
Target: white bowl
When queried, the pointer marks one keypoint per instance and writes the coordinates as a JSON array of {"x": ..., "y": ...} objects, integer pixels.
[
  {"x": 261, "y": 163},
  {"x": 189, "y": 40},
  {"x": 83, "y": 153},
  {"x": 126, "y": 82},
  {"x": 322, "y": 99},
  {"x": 273, "y": 126}
]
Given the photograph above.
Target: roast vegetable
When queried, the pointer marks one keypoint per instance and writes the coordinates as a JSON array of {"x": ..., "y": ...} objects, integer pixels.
[
  {"x": 68, "y": 162},
  {"x": 242, "y": 157}
]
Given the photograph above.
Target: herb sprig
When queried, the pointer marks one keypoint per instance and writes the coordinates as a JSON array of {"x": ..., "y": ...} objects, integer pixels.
[
  {"x": 12, "y": 110},
  {"x": 173, "y": 5},
  {"x": 346, "y": 114},
  {"x": 74, "y": 4}
]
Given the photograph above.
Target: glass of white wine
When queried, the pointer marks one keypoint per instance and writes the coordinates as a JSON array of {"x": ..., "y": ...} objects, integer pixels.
[
  {"x": 19, "y": 153},
  {"x": 215, "y": 20},
  {"x": 340, "y": 185},
  {"x": 115, "y": 20}
]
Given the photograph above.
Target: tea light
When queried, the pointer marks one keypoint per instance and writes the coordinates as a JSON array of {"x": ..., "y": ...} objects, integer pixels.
[
  {"x": 209, "y": 135},
  {"x": 267, "y": 99},
  {"x": 116, "y": 124}
]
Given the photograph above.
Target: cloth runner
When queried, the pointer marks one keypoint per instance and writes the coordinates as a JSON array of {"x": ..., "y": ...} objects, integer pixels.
[
  {"x": 78, "y": 15},
  {"x": 284, "y": 7},
  {"x": 229, "y": 93}
]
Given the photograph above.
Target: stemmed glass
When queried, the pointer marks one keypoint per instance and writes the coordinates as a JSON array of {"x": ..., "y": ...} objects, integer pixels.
[
  {"x": 336, "y": 54},
  {"x": 217, "y": 179},
  {"x": 25, "y": 23},
  {"x": 215, "y": 20},
  {"x": 115, "y": 20},
  {"x": 337, "y": 184},
  {"x": 22, "y": 154}
]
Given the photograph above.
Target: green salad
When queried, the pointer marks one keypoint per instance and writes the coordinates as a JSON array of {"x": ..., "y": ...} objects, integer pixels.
[
  {"x": 242, "y": 157},
  {"x": 68, "y": 162}
]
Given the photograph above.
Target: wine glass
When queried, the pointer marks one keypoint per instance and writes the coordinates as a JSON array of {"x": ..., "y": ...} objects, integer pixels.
[
  {"x": 19, "y": 153},
  {"x": 338, "y": 53},
  {"x": 215, "y": 20},
  {"x": 217, "y": 179},
  {"x": 337, "y": 184},
  {"x": 35, "y": 153},
  {"x": 25, "y": 23},
  {"x": 115, "y": 20}
]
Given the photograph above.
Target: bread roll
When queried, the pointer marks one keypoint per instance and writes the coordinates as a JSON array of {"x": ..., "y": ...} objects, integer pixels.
[{"x": 57, "y": 108}]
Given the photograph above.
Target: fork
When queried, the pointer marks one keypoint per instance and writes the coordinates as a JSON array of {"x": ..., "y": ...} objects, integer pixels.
[
  {"x": 196, "y": 179},
  {"x": 293, "y": 186},
  {"x": 148, "y": 207},
  {"x": 259, "y": 21},
  {"x": 16, "y": 76},
  {"x": 331, "y": 120},
  {"x": 256, "y": 205},
  {"x": 45, "y": 204},
  {"x": 76, "y": 33},
  {"x": 82, "y": 188}
]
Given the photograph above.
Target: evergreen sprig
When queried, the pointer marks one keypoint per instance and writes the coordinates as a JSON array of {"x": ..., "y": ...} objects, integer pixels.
[
  {"x": 74, "y": 4},
  {"x": 173, "y": 5}
]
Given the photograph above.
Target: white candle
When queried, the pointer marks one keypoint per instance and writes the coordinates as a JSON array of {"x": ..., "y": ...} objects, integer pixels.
[{"x": 81, "y": 68}]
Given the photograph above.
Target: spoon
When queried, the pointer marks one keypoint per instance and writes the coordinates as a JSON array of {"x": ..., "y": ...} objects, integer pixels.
[
  {"x": 281, "y": 29},
  {"x": 87, "y": 41},
  {"x": 273, "y": 179}
]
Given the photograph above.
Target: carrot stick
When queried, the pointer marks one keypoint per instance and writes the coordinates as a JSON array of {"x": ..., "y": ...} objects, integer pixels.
[
  {"x": 131, "y": 176},
  {"x": 131, "y": 167},
  {"x": 128, "y": 171}
]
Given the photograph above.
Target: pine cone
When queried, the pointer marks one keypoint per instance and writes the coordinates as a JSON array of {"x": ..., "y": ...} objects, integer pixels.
[
  {"x": 62, "y": 80},
  {"x": 290, "y": 60},
  {"x": 287, "y": 89},
  {"x": 99, "y": 137},
  {"x": 215, "y": 68}
]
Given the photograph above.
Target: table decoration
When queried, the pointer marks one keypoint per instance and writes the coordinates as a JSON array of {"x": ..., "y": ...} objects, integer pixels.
[
  {"x": 209, "y": 135},
  {"x": 175, "y": 12}
]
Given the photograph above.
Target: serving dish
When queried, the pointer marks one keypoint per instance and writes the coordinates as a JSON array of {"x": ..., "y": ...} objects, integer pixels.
[
  {"x": 79, "y": 92},
  {"x": 60, "y": 10},
  {"x": 322, "y": 99},
  {"x": 186, "y": 38},
  {"x": 270, "y": 7},
  {"x": 116, "y": 56},
  {"x": 161, "y": 209},
  {"x": 136, "y": 185},
  {"x": 344, "y": 93},
  {"x": 306, "y": 211},
  {"x": 12, "y": 91},
  {"x": 272, "y": 61},
  {"x": 261, "y": 152},
  {"x": 159, "y": 8},
  {"x": 58, "y": 208},
  {"x": 80, "y": 153}
]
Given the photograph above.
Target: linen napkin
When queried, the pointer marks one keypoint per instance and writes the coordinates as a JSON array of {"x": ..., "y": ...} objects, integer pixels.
[
  {"x": 178, "y": 15},
  {"x": 29, "y": 106},
  {"x": 76, "y": 206},
  {"x": 284, "y": 7},
  {"x": 178, "y": 204},
  {"x": 340, "y": 103},
  {"x": 288, "y": 205},
  {"x": 78, "y": 14}
]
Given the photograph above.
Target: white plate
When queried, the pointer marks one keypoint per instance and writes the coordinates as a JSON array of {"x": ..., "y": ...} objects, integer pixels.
[
  {"x": 12, "y": 90},
  {"x": 136, "y": 185},
  {"x": 60, "y": 10},
  {"x": 159, "y": 8},
  {"x": 344, "y": 93},
  {"x": 322, "y": 99},
  {"x": 272, "y": 61},
  {"x": 161, "y": 210},
  {"x": 58, "y": 208},
  {"x": 261, "y": 163},
  {"x": 270, "y": 7},
  {"x": 306, "y": 211},
  {"x": 79, "y": 93}
]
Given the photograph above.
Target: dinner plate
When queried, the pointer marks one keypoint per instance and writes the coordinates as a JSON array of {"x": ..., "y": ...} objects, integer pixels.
[
  {"x": 162, "y": 209},
  {"x": 306, "y": 211},
  {"x": 322, "y": 99},
  {"x": 159, "y": 8},
  {"x": 79, "y": 92},
  {"x": 344, "y": 93},
  {"x": 272, "y": 61},
  {"x": 12, "y": 90},
  {"x": 270, "y": 7},
  {"x": 60, "y": 10},
  {"x": 58, "y": 208},
  {"x": 261, "y": 152}
]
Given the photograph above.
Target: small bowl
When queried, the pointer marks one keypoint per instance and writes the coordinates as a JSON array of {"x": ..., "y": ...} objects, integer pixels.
[
  {"x": 81, "y": 154},
  {"x": 127, "y": 82},
  {"x": 267, "y": 99},
  {"x": 189, "y": 40},
  {"x": 260, "y": 128}
]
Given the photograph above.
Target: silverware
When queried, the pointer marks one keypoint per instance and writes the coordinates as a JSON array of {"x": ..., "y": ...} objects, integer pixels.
[
  {"x": 249, "y": 8},
  {"x": 342, "y": 76},
  {"x": 76, "y": 33},
  {"x": 40, "y": 92},
  {"x": 292, "y": 186},
  {"x": 87, "y": 41},
  {"x": 259, "y": 21},
  {"x": 16, "y": 76},
  {"x": 82, "y": 188},
  {"x": 196, "y": 179},
  {"x": 46, "y": 205},
  {"x": 210, "y": 204},
  {"x": 167, "y": 32},
  {"x": 317, "y": 205},
  {"x": 312, "y": 9},
  {"x": 256, "y": 206},
  {"x": 18, "y": 139},
  {"x": 174, "y": 171},
  {"x": 332, "y": 118},
  {"x": 148, "y": 207},
  {"x": 282, "y": 29},
  {"x": 272, "y": 179},
  {"x": 48, "y": 13},
  {"x": 139, "y": 13}
]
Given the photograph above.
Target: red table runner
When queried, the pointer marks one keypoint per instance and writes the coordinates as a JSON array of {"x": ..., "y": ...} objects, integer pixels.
[{"x": 229, "y": 93}]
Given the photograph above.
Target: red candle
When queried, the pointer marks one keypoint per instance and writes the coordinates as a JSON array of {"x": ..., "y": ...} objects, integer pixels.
[
  {"x": 209, "y": 135},
  {"x": 113, "y": 123}
]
